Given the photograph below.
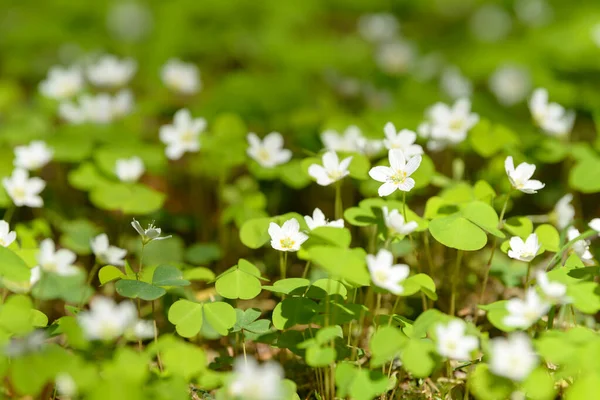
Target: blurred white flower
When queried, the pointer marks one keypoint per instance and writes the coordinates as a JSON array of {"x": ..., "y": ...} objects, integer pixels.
[
  {"x": 555, "y": 292},
  {"x": 65, "y": 386},
  {"x": 318, "y": 219},
  {"x": 512, "y": 358},
  {"x": 454, "y": 84},
  {"x": 62, "y": 83},
  {"x": 33, "y": 156},
  {"x": 129, "y": 169},
  {"x": 105, "y": 253},
  {"x": 6, "y": 235},
  {"x": 149, "y": 234},
  {"x": 23, "y": 286},
  {"x": 396, "y": 223},
  {"x": 385, "y": 274},
  {"x": 524, "y": 250},
  {"x": 378, "y": 27},
  {"x": 524, "y": 313},
  {"x": 580, "y": 247},
  {"x": 397, "y": 175},
  {"x": 251, "y": 381},
  {"x": 101, "y": 108},
  {"x": 183, "y": 135},
  {"x": 332, "y": 169},
  {"x": 111, "y": 72},
  {"x": 564, "y": 212},
  {"x": 520, "y": 178},
  {"x": 348, "y": 142},
  {"x": 510, "y": 84},
  {"x": 533, "y": 12},
  {"x": 428, "y": 66},
  {"x": 59, "y": 262},
  {"x": 552, "y": 118},
  {"x": 288, "y": 236},
  {"x": 448, "y": 125},
  {"x": 396, "y": 57},
  {"x": 23, "y": 190},
  {"x": 181, "y": 77},
  {"x": 453, "y": 342},
  {"x": 268, "y": 152},
  {"x": 143, "y": 329},
  {"x": 490, "y": 23},
  {"x": 129, "y": 21},
  {"x": 106, "y": 320},
  {"x": 595, "y": 224},
  {"x": 403, "y": 140},
  {"x": 370, "y": 147}
]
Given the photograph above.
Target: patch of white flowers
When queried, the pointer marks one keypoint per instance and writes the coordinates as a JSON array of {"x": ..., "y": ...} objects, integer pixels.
[
  {"x": 62, "y": 83},
  {"x": 111, "y": 72},
  {"x": 396, "y": 223},
  {"x": 524, "y": 313},
  {"x": 101, "y": 108},
  {"x": 448, "y": 125}
]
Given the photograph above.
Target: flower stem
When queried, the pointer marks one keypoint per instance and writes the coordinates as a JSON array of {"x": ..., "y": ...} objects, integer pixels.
[
  {"x": 8, "y": 214},
  {"x": 306, "y": 268},
  {"x": 138, "y": 275},
  {"x": 377, "y": 308},
  {"x": 339, "y": 211},
  {"x": 158, "y": 360},
  {"x": 551, "y": 315},
  {"x": 282, "y": 264},
  {"x": 393, "y": 310},
  {"x": 527, "y": 276},
  {"x": 454, "y": 282},
  {"x": 587, "y": 234}
]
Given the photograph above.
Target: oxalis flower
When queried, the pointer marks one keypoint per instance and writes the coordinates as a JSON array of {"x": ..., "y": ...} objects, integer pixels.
[
  {"x": 318, "y": 219},
  {"x": 268, "y": 152},
  {"x": 288, "y": 236},
  {"x": 105, "y": 253},
  {"x": 62, "y": 83},
  {"x": 129, "y": 169},
  {"x": 183, "y": 135},
  {"x": 552, "y": 118},
  {"x": 385, "y": 274},
  {"x": 106, "y": 320},
  {"x": 580, "y": 247},
  {"x": 181, "y": 77},
  {"x": 332, "y": 169},
  {"x": 33, "y": 156},
  {"x": 512, "y": 358},
  {"x": 564, "y": 212},
  {"x": 397, "y": 175},
  {"x": 251, "y": 381},
  {"x": 109, "y": 71},
  {"x": 403, "y": 140},
  {"x": 524, "y": 313},
  {"x": 348, "y": 142},
  {"x": 520, "y": 178},
  {"x": 100, "y": 109},
  {"x": 524, "y": 250},
  {"x": 595, "y": 224},
  {"x": 149, "y": 234},
  {"x": 448, "y": 125},
  {"x": 554, "y": 292},
  {"x": 396, "y": 223},
  {"x": 6, "y": 235},
  {"x": 23, "y": 190},
  {"x": 453, "y": 342},
  {"x": 59, "y": 262}
]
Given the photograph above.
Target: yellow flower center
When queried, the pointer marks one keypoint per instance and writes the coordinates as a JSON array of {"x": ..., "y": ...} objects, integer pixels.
[
  {"x": 263, "y": 155},
  {"x": 334, "y": 175},
  {"x": 19, "y": 193},
  {"x": 188, "y": 137},
  {"x": 287, "y": 243},
  {"x": 457, "y": 124},
  {"x": 381, "y": 276},
  {"x": 398, "y": 178}
]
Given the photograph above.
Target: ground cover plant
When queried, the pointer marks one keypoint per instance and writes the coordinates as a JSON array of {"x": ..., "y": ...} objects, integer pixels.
[{"x": 300, "y": 200}]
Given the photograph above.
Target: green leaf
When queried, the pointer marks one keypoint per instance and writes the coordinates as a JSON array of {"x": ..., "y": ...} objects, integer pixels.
[
  {"x": 419, "y": 282},
  {"x": 327, "y": 286},
  {"x": 86, "y": 177},
  {"x": 131, "y": 199},
  {"x": 488, "y": 140},
  {"x": 327, "y": 235},
  {"x": 168, "y": 275},
  {"x": 221, "y": 316},
  {"x": 238, "y": 284},
  {"x": 289, "y": 286},
  {"x": 386, "y": 344},
  {"x": 187, "y": 317},
  {"x": 549, "y": 237},
  {"x": 539, "y": 385},
  {"x": 109, "y": 273},
  {"x": 487, "y": 386},
  {"x": 583, "y": 177},
  {"x": 203, "y": 253},
  {"x": 133, "y": 289},
  {"x": 317, "y": 356},
  {"x": 72, "y": 289},
  {"x": 586, "y": 296},
  {"x": 519, "y": 226},
  {"x": 348, "y": 264},
  {"x": 12, "y": 267},
  {"x": 418, "y": 357},
  {"x": 293, "y": 311},
  {"x": 254, "y": 232},
  {"x": 496, "y": 313},
  {"x": 181, "y": 358},
  {"x": 199, "y": 274}
]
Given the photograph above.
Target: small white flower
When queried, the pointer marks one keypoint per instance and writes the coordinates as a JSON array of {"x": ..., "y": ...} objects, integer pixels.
[
  {"x": 348, "y": 142},
  {"x": 385, "y": 274},
  {"x": 109, "y": 71},
  {"x": 379, "y": 27},
  {"x": 455, "y": 84},
  {"x": 555, "y": 292},
  {"x": 564, "y": 212},
  {"x": 580, "y": 247},
  {"x": 129, "y": 169},
  {"x": 552, "y": 118},
  {"x": 318, "y": 219},
  {"x": 524, "y": 313},
  {"x": 268, "y": 152},
  {"x": 106, "y": 320},
  {"x": 288, "y": 236},
  {"x": 23, "y": 190},
  {"x": 36, "y": 274},
  {"x": 98, "y": 109},
  {"x": 65, "y": 386},
  {"x": 595, "y": 224},
  {"x": 181, "y": 77},
  {"x": 510, "y": 84},
  {"x": 370, "y": 147},
  {"x": 143, "y": 329},
  {"x": 251, "y": 381},
  {"x": 105, "y": 253},
  {"x": 396, "y": 223},
  {"x": 33, "y": 156},
  {"x": 453, "y": 342},
  {"x": 183, "y": 135},
  {"x": 448, "y": 125},
  {"x": 397, "y": 175},
  {"x": 524, "y": 250},
  {"x": 59, "y": 262},
  {"x": 520, "y": 178},
  {"x": 6, "y": 235},
  {"x": 403, "y": 140},
  {"x": 512, "y": 358},
  {"x": 332, "y": 169},
  {"x": 395, "y": 57},
  {"x": 149, "y": 234},
  {"x": 62, "y": 83}
]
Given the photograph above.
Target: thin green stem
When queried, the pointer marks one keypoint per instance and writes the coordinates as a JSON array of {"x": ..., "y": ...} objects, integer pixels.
[
  {"x": 8, "y": 214},
  {"x": 377, "y": 308},
  {"x": 158, "y": 360},
  {"x": 527, "y": 275},
  {"x": 454, "y": 282},
  {"x": 306, "y": 268},
  {"x": 393, "y": 310},
  {"x": 551, "y": 315},
  {"x": 138, "y": 275},
  {"x": 282, "y": 264},
  {"x": 558, "y": 256},
  {"x": 339, "y": 210}
]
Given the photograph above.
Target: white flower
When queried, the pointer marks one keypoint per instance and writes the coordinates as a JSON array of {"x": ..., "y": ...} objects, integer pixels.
[
  {"x": 595, "y": 224},
  {"x": 580, "y": 247},
  {"x": 183, "y": 135},
  {"x": 348, "y": 142},
  {"x": 251, "y": 381},
  {"x": 524, "y": 250},
  {"x": 555, "y": 292},
  {"x": 510, "y": 84},
  {"x": 105, "y": 253},
  {"x": 447, "y": 125},
  {"x": 332, "y": 169},
  {"x": 149, "y": 234},
  {"x": 385, "y": 274},
  {"x": 33, "y": 156},
  {"x": 369, "y": 147},
  {"x": 6, "y": 235},
  {"x": 111, "y": 72},
  {"x": 318, "y": 219},
  {"x": 395, "y": 57},
  {"x": 55, "y": 261},
  {"x": 396, "y": 223},
  {"x": 520, "y": 178},
  {"x": 403, "y": 140},
  {"x": 62, "y": 83},
  {"x": 36, "y": 274},
  {"x": 129, "y": 169},
  {"x": 269, "y": 152},
  {"x": 564, "y": 211},
  {"x": 454, "y": 84},
  {"x": 524, "y": 313},
  {"x": 106, "y": 320},
  {"x": 552, "y": 118},
  {"x": 181, "y": 77},
  {"x": 288, "y": 236},
  {"x": 143, "y": 329},
  {"x": 99, "y": 109},
  {"x": 512, "y": 358},
  {"x": 452, "y": 341},
  {"x": 65, "y": 386},
  {"x": 23, "y": 287},
  {"x": 379, "y": 27},
  {"x": 23, "y": 190},
  {"x": 397, "y": 175}
]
